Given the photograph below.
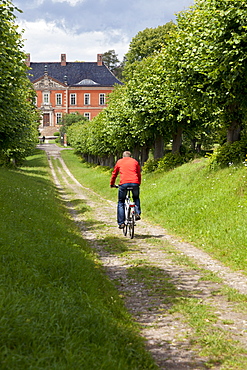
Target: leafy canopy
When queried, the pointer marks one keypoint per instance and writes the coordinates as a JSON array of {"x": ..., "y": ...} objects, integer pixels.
[{"x": 18, "y": 115}]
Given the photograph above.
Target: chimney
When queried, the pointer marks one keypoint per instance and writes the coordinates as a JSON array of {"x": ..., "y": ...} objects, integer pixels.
[
  {"x": 99, "y": 60},
  {"x": 27, "y": 60},
  {"x": 63, "y": 60}
]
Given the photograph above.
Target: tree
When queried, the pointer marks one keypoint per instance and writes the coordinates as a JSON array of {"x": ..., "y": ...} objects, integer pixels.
[
  {"x": 145, "y": 44},
  {"x": 211, "y": 61},
  {"x": 191, "y": 85},
  {"x": 69, "y": 119},
  {"x": 18, "y": 115},
  {"x": 110, "y": 59}
]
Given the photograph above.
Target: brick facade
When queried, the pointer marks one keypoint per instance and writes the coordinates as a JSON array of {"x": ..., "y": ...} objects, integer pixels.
[{"x": 69, "y": 87}]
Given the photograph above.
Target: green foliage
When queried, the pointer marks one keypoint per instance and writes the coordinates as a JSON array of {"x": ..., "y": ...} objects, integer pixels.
[
  {"x": 170, "y": 161},
  {"x": 228, "y": 154},
  {"x": 144, "y": 44},
  {"x": 210, "y": 58},
  {"x": 111, "y": 132},
  {"x": 150, "y": 165},
  {"x": 110, "y": 59},
  {"x": 18, "y": 115},
  {"x": 69, "y": 119}
]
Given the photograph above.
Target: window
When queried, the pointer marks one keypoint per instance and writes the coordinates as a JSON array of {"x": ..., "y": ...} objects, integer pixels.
[
  {"x": 46, "y": 98},
  {"x": 58, "y": 118},
  {"x": 101, "y": 99},
  {"x": 72, "y": 99},
  {"x": 87, "y": 115},
  {"x": 58, "y": 99},
  {"x": 86, "y": 99}
]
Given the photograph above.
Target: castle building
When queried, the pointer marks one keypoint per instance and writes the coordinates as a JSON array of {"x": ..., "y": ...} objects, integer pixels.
[{"x": 69, "y": 87}]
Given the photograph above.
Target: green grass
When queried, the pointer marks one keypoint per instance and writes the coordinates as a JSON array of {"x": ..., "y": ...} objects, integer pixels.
[
  {"x": 58, "y": 310},
  {"x": 199, "y": 206},
  {"x": 208, "y": 208}
]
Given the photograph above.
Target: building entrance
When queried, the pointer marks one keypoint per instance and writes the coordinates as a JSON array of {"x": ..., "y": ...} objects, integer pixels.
[{"x": 46, "y": 119}]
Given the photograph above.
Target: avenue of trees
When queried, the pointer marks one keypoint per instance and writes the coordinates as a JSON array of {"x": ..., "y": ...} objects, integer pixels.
[
  {"x": 184, "y": 88},
  {"x": 18, "y": 116}
]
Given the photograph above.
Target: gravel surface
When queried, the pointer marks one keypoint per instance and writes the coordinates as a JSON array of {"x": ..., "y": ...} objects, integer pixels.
[{"x": 168, "y": 336}]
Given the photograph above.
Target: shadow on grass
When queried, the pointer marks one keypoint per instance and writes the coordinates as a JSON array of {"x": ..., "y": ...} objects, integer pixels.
[
  {"x": 79, "y": 205},
  {"x": 147, "y": 236},
  {"x": 35, "y": 165},
  {"x": 115, "y": 245}
]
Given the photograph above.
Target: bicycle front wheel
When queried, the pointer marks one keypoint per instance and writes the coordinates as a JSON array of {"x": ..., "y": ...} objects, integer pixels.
[
  {"x": 131, "y": 227},
  {"x": 125, "y": 229}
]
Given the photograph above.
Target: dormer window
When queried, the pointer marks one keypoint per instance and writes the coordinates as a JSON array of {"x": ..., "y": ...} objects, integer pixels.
[{"x": 87, "y": 81}]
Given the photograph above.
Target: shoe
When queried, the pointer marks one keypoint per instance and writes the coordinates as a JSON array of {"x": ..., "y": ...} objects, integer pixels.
[
  {"x": 121, "y": 226},
  {"x": 138, "y": 217}
]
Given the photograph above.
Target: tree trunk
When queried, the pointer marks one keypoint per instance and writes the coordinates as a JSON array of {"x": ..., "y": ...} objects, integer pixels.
[
  {"x": 136, "y": 152},
  {"x": 144, "y": 154},
  {"x": 111, "y": 161},
  {"x": 193, "y": 144},
  {"x": 158, "y": 147},
  {"x": 233, "y": 132},
  {"x": 198, "y": 147},
  {"x": 177, "y": 140}
]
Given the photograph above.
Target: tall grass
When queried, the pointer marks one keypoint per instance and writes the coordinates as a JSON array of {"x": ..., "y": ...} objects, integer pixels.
[
  {"x": 208, "y": 208},
  {"x": 58, "y": 310},
  {"x": 205, "y": 207}
]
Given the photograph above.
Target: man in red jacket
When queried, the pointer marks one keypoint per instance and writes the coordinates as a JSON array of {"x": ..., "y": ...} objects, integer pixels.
[{"x": 130, "y": 175}]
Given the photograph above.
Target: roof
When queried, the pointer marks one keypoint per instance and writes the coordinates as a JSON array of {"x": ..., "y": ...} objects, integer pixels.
[{"x": 76, "y": 73}]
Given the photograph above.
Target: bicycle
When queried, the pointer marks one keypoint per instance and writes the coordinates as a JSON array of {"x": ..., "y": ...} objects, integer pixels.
[{"x": 129, "y": 209}]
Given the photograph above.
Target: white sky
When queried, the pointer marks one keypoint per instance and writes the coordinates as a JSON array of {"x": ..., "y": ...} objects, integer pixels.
[{"x": 81, "y": 29}]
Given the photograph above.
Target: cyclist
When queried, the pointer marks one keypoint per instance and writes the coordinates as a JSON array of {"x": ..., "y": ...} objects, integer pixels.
[{"x": 130, "y": 176}]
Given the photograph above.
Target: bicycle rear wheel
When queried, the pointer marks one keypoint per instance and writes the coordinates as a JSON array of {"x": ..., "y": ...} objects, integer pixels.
[{"x": 131, "y": 225}]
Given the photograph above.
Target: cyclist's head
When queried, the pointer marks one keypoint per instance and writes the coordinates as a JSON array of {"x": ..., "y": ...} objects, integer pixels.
[{"x": 126, "y": 154}]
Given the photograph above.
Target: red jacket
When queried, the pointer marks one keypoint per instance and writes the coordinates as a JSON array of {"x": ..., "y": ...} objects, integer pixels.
[{"x": 129, "y": 170}]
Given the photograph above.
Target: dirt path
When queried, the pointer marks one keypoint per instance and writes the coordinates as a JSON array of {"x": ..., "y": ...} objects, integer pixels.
[{"x": 169, "y": 337}]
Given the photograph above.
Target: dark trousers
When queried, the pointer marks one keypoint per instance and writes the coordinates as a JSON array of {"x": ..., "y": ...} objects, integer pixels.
[{"x": 122, "y": 190}]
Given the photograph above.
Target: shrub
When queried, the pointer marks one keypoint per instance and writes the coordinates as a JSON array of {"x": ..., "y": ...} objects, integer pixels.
[
  {"x": 228, "y": 154},
  {"x": 150, "y": 165},
  {"x": 170, "y": 161}
]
